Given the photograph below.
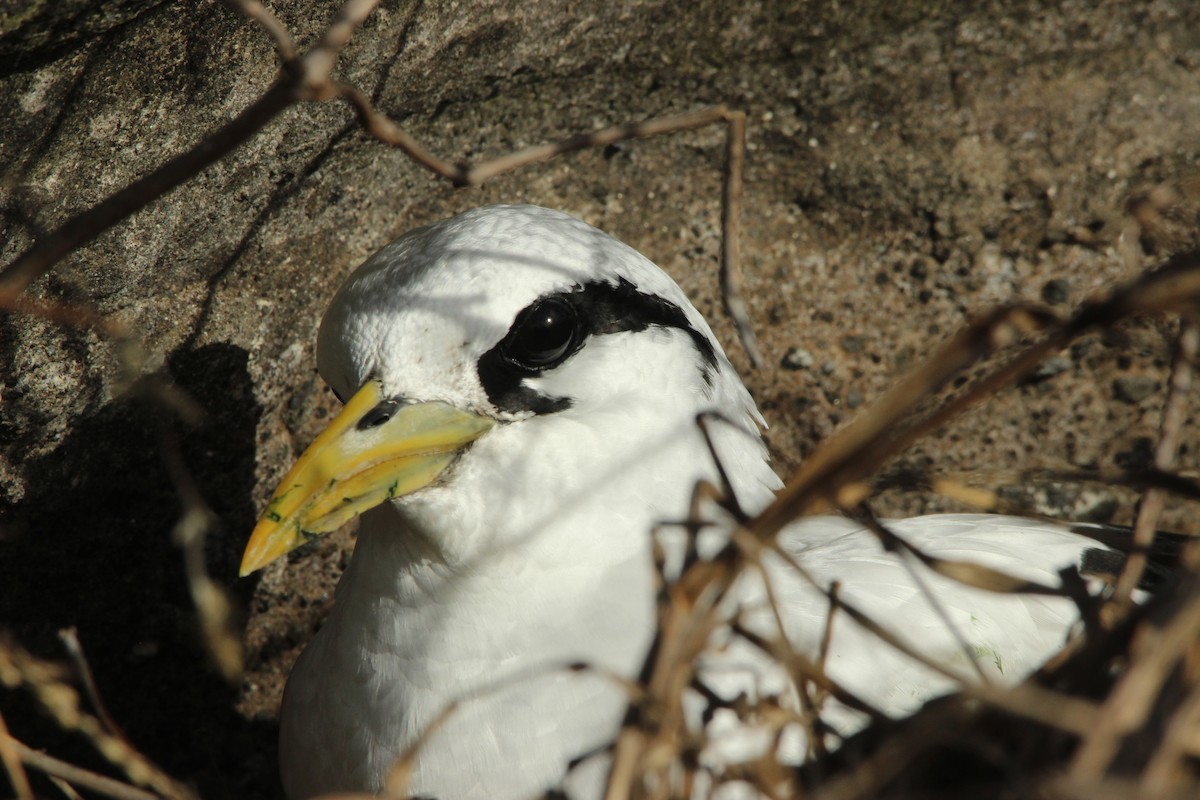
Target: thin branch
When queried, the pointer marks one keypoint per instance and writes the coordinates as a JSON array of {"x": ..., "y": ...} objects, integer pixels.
[
  {"x": 1174, "y": 416},
  {"x": 67, "y": 789},
  {"x": 599, "y": 138},
  {"x": 382, "y": 128},
  {"x": 18, "y": 667},
  {"x": 11, "y": 756},
  {"x": 879, "y": 434},
  {"x": 967, "y": 573},
  {"x": 214, "y": 607},
  {"x": 817, "y": 744},
  {"x": 890, "y": 541},
  {"x": 306, "y": 79},
  {"x": 731, "y": 213},
  {"x": 799, "y": 665},
  {"x": 1033, "y": 702},
  {"x": 805, "y": 673},
  {"x": 1164, "y": 767},
  {"x": 1138, "y": 479},
  {"x": 285, "y": 46},
  {"x": 86, "y": 226},
  {"x": 1158, "y": 650},
  {"x": 388, "y": 132},
  {"x": 101, "y": 784},
  {"x": 320, "y": 60},
  {"x": 70, "y": 640},
  {"x": 309, "y": 78},
  {"x": 69, "y": 316}
]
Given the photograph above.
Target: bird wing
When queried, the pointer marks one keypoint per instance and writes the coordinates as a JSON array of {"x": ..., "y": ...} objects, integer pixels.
[{"x": 972, "y": 635}]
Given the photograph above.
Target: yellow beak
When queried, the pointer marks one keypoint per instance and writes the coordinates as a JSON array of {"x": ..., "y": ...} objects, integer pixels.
[{"x": 369, "y": 453}]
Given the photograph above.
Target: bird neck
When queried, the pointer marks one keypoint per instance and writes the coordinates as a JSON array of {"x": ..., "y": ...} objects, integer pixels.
[{"x": 531, "y": 498}]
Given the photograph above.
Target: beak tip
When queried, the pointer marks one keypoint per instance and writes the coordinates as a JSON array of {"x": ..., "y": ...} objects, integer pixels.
[
  {"x": 265, "y": 546},
  {"x": 249, "y": 565}
]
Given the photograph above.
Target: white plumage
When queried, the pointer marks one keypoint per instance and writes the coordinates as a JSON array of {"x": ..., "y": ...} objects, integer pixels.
[{"x": 533, "y": 547}]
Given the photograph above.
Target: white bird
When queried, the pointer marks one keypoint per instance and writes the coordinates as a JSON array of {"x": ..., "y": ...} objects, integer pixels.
[{"x": 522, "y": 395}]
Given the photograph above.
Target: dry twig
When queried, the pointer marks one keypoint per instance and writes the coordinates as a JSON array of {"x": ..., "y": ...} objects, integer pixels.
[
  {"x": 308, "y": 77},
  {"x": 1173, "y": 417},
  {"x": 19, "y": 668},
  {"x": 10, "y": 755},
  {"x": 1157, "y": 651},
  {"x": 70, "y": 640},
  {"x": 656, "y": 739},
  {"x": 92, "y": 781},
  {"x": 881, "y": 432}
]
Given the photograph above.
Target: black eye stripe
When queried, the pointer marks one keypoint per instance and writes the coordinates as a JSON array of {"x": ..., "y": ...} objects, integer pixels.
[{"x": 600, "y": 308}]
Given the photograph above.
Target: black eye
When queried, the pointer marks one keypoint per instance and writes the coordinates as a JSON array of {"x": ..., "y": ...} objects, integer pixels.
[
  {"x": 378, "y": 415},
  {"x": 543, "y": 335}
]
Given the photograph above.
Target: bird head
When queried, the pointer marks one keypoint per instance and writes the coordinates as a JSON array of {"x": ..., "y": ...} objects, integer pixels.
[{"x": 480, "y": 344}]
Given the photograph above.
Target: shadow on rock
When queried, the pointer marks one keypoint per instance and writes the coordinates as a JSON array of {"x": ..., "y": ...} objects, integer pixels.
[{"x": 90, "y": 546}]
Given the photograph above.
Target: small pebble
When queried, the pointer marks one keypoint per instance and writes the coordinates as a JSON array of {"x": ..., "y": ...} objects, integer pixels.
[
  {"x": 853, "y": 344},
  {"x": 797, "y": 358},
  {"x": 1056, "y": 291},
  {"x": 1134, "y": 388},
  {"x": 1051, "y": 367}
]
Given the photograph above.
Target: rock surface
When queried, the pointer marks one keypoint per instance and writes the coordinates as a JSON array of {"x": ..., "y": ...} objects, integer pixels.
[{"x": 909, "y": 164}]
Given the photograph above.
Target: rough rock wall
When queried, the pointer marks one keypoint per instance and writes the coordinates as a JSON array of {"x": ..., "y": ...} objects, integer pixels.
[{"x": 908, "y": 164}]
